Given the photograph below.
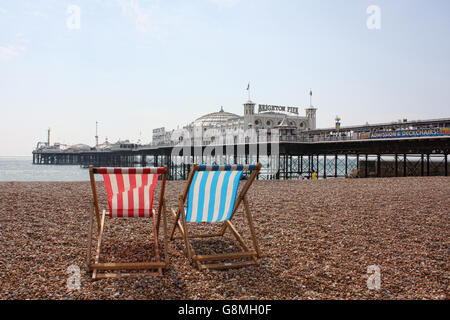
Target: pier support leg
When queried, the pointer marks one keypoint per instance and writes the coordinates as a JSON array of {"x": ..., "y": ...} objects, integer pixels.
[
  {"x": 366, "y": 166},
  {"x": 378, "y": 165},
  {"x": 335, "y": 165},
  {"x": 309, "y": 166},
  {"x": 422, "y": 171},
  {"x": 277, "y": 176},
  {"x": 317, "y": 165},
  {"x": 404, "y": 165},
  {"x": 290, "y": 167},
  {"x": 346, "y": 165},
  {"x": 396, "y": 164},
  {"x": 301, "y": 164},
  {"x": 446, "y": 165},
  {"x": 357, "y": 162}
]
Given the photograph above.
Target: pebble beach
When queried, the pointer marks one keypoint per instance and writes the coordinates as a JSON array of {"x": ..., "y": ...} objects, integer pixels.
[{"x": 317, "y": 238}]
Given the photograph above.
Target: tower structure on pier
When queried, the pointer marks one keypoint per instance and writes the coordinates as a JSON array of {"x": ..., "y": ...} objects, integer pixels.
[
  {"x": 311, "y": 113},
  {"x": 249, "y": 113},
  {"x": 96, "y": 133}
]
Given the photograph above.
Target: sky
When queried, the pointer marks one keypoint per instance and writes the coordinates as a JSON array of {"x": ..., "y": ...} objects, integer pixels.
[{"x": 138, "y": 65}]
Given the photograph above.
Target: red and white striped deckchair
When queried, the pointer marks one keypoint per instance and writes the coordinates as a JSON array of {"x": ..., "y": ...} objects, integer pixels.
[
  {"x": 130, "y": 194},
  {"x": 212, "y": 197}
]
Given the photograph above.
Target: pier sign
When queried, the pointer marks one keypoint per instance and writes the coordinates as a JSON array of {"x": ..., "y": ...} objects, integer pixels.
[
  {"x": 422, "y": 132},
  {"x": 267, "y": 107}
]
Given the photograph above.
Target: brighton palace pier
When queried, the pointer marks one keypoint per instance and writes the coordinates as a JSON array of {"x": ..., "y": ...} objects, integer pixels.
[
  {"x": 285, "y": 142},
  {"x": 217, "y": 127}
]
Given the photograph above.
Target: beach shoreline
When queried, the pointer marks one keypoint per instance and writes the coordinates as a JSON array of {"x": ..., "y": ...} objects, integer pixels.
[{"x": 318, "y": 239}]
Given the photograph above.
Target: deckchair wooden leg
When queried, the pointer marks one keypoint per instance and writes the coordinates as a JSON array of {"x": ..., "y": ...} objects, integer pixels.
[
  {"x": 227, "y": 265},
  {"x": 158, "y": 265},
  {"x": 177, "y": 223},
  {"x": 158, "y": 223},
  {"x": 91, "y": 222},
  {"x": 223, "y": 229},
  {"x": 126, "y": 275},
  {"x": 161, "y": 197},
  {"x": 237, "y": 235},
  {"x": 239, "y": 238},
  {"x": 155, "y": 241},
  {"x": 95, "y": 197},
  {"x": 164, "y": 212},
  {"x": 99, "y": 243},
  {"x": 252, "y": 228},
  {"x": 186, "y": 236},
  {"x": 246, "y": 253},
  {"x": 190, "y": 252},
  {"x": 225, "y": 256}
]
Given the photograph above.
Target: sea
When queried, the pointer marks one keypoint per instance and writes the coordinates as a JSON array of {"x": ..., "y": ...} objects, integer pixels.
[{"x": 22, "y": 169}]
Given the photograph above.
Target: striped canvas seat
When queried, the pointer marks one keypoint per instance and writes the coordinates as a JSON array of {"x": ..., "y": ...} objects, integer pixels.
[
  {"x": 212, "y": 193},
  {"x": 130, "y": 190},
  {"x": 130, "y": 193}
]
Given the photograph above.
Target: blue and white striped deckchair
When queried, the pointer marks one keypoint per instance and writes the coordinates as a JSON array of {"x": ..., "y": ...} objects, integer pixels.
[
  {"x": 213, "y": 191},
  {"x": 212, "y": 196}
]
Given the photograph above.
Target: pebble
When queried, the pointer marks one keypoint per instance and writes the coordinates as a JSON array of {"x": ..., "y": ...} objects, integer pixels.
[{"x": 317, "y": 239}]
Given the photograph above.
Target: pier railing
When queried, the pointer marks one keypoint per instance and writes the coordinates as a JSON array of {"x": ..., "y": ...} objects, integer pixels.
[{"x": 262, "y": 139}]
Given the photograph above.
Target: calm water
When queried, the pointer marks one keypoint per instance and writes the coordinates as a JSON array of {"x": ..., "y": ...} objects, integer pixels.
[{"x": 22, "y": 169}]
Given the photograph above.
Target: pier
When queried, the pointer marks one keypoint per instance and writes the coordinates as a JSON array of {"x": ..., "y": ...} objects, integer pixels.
[
  {"x": 396, "y": 149},
  {"x": 420, "y": 156}
]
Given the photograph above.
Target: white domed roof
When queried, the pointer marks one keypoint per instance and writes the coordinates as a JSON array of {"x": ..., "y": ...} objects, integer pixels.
[
  {"x": 80, "y": 147},
  {"x": 215, "y": 118}
]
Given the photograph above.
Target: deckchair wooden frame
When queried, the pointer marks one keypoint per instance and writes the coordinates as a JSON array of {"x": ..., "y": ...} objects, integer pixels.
[
  {"x": 199, "y": 260},
  {"x": 156, "y": 266}
]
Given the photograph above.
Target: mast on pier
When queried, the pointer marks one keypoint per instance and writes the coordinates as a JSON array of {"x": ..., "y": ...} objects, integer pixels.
[
  {"x": 311, "y": 113},
  {"x": 96, "y": 133}
]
